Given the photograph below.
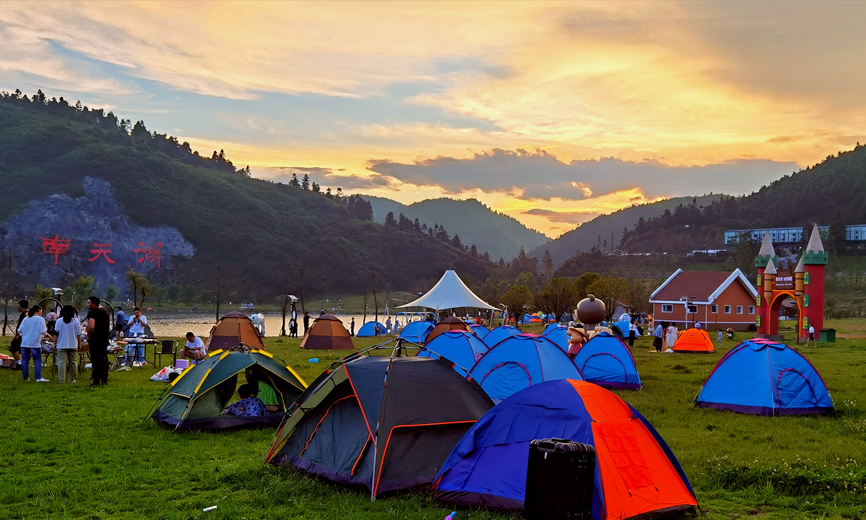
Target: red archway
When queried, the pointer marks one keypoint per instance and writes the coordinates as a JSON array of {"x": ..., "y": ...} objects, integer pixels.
[{"x": 773, "y": 317}]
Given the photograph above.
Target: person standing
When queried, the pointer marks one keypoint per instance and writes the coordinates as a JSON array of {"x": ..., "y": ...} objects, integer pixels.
[
  {"x": 97, "y": 339},
  {"x": 136, "y": 325},
  {"x": 388, "y": 325},
  {"x": 306, "y": 322},
  {"x": 632, "y": 332},
  {"x": 32, "y": 329},
  {"x": 719, "y": 339},
  {"x": 671, "y": 336},
  {"x": 811, "y": 336},
  {"x": 68, "y": 342},
  {"x": 120, "y": 319},
  {"x": 658, "y": 335},
  {"x": 352, "y": 325},
  {"x": 15, "y": 345}
]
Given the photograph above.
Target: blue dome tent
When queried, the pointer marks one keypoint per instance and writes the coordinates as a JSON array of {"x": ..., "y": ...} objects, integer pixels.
[
  {"x": 462, "y": 348},
  {"x": 417, "y": 331},
  {"x": 636, "y": 474},
  {"x": 607, "y": 361},
  {"x": 763, "y": 377},
  {"x": 521, "y": 361},
  {"x": 479, "y": 330},
  {"x": 369, "y": 329},
  {"x": 551, "y": 326},
  {"x": 500, "y": 333},
  {"x": 557, "y": 334}
]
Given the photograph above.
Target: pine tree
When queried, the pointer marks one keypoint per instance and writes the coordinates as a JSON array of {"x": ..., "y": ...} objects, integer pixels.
[{"x": 305, "y": 184}]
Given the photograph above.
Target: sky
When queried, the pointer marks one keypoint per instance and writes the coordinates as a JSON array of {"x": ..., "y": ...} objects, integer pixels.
[{"x": 551, "y": 112}]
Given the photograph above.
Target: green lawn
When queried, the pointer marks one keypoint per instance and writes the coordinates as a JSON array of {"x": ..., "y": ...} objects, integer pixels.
[{"x": 73, "y": 452}]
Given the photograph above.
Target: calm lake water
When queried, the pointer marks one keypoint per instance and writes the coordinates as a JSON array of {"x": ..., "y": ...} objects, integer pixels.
[{"x": 176, "y": 323}]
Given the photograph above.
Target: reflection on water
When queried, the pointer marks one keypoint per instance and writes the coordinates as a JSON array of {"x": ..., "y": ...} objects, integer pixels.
[{"x": 176, "y": 323}]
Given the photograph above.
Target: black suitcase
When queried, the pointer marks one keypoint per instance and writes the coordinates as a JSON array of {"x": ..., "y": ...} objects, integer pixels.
[{"x": 559, "y": 480}]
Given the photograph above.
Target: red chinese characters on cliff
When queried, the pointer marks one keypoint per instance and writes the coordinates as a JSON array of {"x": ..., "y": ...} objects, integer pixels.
[
  {"x": 101, "y": 250},
  {"x": 149, "y": 254},
  {"x": 55, "y": 246}
]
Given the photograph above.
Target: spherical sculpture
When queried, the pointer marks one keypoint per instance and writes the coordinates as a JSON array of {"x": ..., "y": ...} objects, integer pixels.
[{"x": 590, "y": 310}]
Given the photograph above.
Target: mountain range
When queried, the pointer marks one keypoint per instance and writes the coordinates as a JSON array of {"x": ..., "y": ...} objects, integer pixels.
[
  {"x": 497, "y": 234},
  {"x": 606, "y": 231},
  {"x": 86, "y": 193}
]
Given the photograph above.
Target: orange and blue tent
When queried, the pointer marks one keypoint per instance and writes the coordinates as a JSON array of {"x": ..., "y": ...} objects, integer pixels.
[
  {"x": 694, "y": 341},
  {"x": 636, "y": 473}
]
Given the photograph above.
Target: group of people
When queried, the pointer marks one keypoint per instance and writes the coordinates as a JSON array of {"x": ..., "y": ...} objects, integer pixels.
[
  {"x": 66, "y": 335},
  {"x": 665, "y": 335}
]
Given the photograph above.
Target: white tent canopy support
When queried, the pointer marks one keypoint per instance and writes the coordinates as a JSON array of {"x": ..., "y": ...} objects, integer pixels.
[{"x": 450, "y": 293}]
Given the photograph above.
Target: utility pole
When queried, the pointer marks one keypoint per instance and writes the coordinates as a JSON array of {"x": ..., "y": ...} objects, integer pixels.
[
  {"x": 286, "y": 298},
  {"x": 6, "y": 299},
  {"x": 218, "y": 295}
]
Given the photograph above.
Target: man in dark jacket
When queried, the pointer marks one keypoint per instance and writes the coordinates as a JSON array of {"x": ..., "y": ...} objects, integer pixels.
[{"x": 97, "y": 339}]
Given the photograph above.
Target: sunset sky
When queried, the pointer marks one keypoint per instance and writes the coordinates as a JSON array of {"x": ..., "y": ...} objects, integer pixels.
[{"x": 550, "y": 112}]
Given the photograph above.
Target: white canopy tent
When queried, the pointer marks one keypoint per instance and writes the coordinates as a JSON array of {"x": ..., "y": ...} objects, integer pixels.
[{"x": 450, "y": 293}]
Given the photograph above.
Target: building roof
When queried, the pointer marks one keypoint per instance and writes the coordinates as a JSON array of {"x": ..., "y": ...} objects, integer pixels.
[
  {"x": 771, "y": 268},
  {"x": 767, "y": 246},
  {"x": 698, "y": 286},
  {"x": 815, "y": 243},
  {"x": 450, "y": 293}
]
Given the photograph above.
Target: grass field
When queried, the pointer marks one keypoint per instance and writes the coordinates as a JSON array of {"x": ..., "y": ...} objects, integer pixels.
[{"x": 74, "y": 452}]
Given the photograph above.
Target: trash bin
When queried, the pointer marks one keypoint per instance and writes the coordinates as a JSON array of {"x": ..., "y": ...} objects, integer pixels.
[{"x": 827, "y": 336}]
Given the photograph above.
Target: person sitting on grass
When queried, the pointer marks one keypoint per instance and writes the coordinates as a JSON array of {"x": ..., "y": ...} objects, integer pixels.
[
  {"x": 248, "y": 406},
  {"x": 194, "y": 348}
]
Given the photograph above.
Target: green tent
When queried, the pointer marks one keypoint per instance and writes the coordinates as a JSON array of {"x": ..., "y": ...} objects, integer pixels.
[{"x": 196, "y": 399}]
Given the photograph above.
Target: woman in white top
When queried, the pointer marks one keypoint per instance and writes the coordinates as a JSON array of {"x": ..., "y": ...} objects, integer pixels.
[
  {"x": 32, "y": 329},
  {"x": 671, "y": 335},
  {"x": 68, "y": 341}
]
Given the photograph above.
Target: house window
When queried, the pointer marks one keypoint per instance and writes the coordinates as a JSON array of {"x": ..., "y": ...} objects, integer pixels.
[
  {"x": 667, "y": 307},
  {"x": 751, "y": 309},
  {"x": 727, "y": 309},
  {"x": 739, "y": 309},
  {"x": 714, "y": 309}
]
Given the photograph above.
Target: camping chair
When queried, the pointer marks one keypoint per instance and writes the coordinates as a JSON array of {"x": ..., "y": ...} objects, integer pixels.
[
  {"x": 167, "y": 347},
  {"x": 83, "y": 350}
]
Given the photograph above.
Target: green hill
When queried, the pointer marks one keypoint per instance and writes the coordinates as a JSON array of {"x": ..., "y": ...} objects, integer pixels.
[
  {"x": 497, "y": 234},
  {"x": 588, "y": 235},
  {"x": 253, "y": 234}
]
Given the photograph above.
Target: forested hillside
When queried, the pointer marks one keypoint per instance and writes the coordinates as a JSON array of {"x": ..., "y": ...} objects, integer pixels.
[
  {"x": 605, "y": 232},
  {"x": 258, "y": 234},
  {"x": 830, "y": 193},
  {"x": 495, "y": 233}
]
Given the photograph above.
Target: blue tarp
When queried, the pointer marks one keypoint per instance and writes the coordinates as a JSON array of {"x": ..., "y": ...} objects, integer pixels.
[
  {"x": 461, "y": 348},
  {"x": 500, "y": 333},
  {"x": 607, "y": 361},
  {"x": 369, "y": 329},
  {"x": 416, "y": 331},
  {"x": 763, "y": 377},
  {"x": 519, "y": 362}
]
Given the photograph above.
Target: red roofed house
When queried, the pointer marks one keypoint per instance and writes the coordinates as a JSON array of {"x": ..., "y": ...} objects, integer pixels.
[{"x": 717, "y": 300}]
